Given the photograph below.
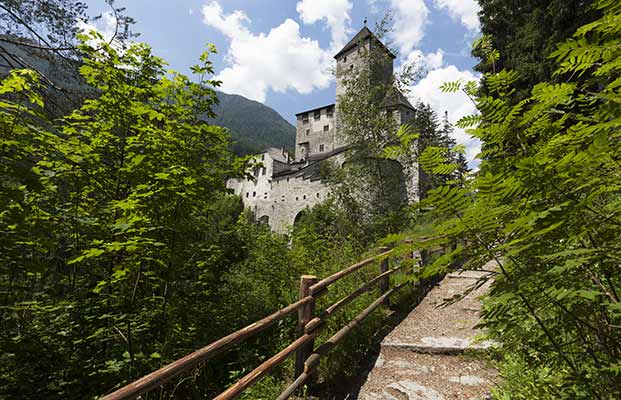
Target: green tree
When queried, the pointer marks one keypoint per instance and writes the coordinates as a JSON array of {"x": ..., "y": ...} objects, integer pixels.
[
  {"x": 114, "y": 255},
  {"x": 368, "y": 185},
  {"x": 524, "y": 34},
  {"x": 545, "y": 207}
]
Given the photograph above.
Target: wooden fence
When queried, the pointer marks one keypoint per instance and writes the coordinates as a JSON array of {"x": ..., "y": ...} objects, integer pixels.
[{"x": 310, "y": 324}]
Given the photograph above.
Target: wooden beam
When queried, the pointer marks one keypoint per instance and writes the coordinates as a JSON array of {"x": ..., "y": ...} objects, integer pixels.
[
  {"x": 248, "y": 380},
  {"x": 344, "y": 272},
  {"x": 161, "y": 376},
  {"x": 305, "y": 314},
  {"x": 322, "y": 350}
]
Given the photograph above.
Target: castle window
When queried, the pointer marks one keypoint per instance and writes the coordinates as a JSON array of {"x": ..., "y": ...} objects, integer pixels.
[
  {"x": 263, "y": 171},
  {"x": 317, "y": 195},
  {"x": 321, "y": 147},
  {"x": 326, "y": 128},
  {"x": 330, "y": 112},
  {"x": 254, "y": 194},
  {"x": 344, "y": 59},
  {"x": 247, "y": 194},
  {"x": 305, "y": 118},
  {"x": 296, "y": 198},
  {"x": 351, "y": 66},
  {"x": 262, "y": 157},
  {"x": 307, "y": 132},
  {"x": 287, "y": 179},
  {"x": 304, "y": 197},
  {"x": 317, "y": 114}
]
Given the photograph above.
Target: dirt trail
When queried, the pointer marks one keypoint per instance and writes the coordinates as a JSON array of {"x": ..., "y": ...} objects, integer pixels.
[{"x": 428, "y": 356}]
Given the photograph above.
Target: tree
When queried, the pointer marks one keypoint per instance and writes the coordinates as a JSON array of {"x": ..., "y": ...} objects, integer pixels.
[
  {"x": 524, "y": 34},
  {"x": 545, "y": 207},
  {"x": 42, "y": 35},
  {"x": 369, "y": 185},
  {"x": 112, "y": 226}
]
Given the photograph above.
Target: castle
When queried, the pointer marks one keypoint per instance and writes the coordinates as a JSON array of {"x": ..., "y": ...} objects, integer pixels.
[{"x": 283, "y": 187}]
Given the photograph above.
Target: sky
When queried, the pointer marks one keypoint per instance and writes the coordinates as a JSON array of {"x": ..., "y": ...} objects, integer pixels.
[{"x": 280, "y": 52}]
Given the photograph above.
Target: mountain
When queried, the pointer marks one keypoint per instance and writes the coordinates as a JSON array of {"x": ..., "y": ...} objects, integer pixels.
[{"x": 254, "y": 126}]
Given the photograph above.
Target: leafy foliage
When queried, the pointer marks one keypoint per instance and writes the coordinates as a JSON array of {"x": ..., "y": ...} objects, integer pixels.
[{"x": 544, "y": 207}]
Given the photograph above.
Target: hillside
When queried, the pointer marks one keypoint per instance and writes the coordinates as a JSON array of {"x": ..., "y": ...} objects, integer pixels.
[{"x": 254, "y": 126}]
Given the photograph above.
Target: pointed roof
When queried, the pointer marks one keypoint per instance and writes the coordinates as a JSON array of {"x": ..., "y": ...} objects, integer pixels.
[
  {"x": 364, "y": 34},
  {"x": 398, "y": 98}
]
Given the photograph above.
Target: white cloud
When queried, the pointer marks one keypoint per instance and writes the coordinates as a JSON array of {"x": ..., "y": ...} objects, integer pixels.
[
  {"x": 410, "y": 17},
  {"x": 335, "y": 12},
  {"x": 428, "y": 61},
  {"x": 463, "y": 10},
  {"x": 106, "y": 25},
  {"x": 279, "y": 60},
  {"x": 458, "y": 104}
]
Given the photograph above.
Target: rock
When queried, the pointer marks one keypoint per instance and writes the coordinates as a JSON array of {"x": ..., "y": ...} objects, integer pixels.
[{"x": 467, "y": 380}]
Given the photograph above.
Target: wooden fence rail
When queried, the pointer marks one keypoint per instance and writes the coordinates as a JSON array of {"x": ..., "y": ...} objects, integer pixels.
[{"x": 309, "y": 326}]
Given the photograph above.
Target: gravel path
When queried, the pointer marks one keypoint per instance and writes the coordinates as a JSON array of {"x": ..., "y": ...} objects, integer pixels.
[{"x": 423, "y": 357}]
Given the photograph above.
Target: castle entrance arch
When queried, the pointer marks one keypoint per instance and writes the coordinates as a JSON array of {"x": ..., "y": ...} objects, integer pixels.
[{"x": 299, "y": 216}]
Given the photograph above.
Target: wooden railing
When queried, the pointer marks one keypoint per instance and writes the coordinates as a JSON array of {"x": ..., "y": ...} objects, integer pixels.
[{"x": 309, "y": 326}]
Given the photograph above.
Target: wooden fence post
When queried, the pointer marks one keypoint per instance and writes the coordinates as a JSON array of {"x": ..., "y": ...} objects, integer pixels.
[
  {"x": 384, "y": 284},
  {"x": 305, "y": 314}
]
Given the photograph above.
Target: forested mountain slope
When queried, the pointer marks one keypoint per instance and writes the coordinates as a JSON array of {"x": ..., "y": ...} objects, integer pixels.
[{"x": 254, "y": 126}]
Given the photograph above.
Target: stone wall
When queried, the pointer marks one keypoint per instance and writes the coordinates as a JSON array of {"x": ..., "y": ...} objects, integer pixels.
[
  {"x": 289, "y": 196},
  {"x": 311, "y": 136},
  {"x": 254, "y": 191}
]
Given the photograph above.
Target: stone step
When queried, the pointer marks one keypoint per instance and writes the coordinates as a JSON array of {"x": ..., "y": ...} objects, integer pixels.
[
  {"x": 405, "y": 375},
  {"x": 440, "y": 345}
]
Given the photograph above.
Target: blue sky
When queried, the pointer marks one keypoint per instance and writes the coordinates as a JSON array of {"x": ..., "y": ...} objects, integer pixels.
[{"x": 279, "y": 52}]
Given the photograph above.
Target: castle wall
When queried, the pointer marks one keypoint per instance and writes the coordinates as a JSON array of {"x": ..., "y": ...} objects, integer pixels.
[
  {"x": 411, "y": 171},
  {"x": 289, "y": 197},
  {"x": 254, "y": 191},
  {"x": 278, "y": 200},
  {"x": 311, "y": 136}
]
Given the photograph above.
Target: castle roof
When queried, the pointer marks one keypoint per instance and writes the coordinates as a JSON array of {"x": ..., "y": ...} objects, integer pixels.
[
  {"x": 315, "y": 109},
  {"x": 309, "y": 168},
  {"x": 397, "y": 99},
  {"x": 277, "y": 154},
  {"x": 364, "y": 34}
]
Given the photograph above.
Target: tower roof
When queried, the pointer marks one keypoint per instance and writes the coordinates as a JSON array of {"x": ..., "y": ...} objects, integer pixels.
[{"x": 364, "y": 34}]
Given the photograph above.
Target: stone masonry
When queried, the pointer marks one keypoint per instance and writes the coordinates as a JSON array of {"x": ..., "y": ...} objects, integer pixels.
[{"x": 283, "y": 187}]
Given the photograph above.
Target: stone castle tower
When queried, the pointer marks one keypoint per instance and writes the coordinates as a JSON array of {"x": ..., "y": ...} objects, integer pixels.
[{"x": 284, "y": 187}]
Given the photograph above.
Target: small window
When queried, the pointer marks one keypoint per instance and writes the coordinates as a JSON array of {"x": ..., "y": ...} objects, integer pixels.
[
  {"x": 296, "y": 198},
  {"x": 307, "y": 132},
  {"x": 304, "y": 197},
  {"x": 305, "y": 118},
  {"x": 330, "y": 113},
  {"x": 287, "y": 179},
  {"x": 326, "y": 128},
  {"x": 321, "y": 147},
  {"x": 254, "y": 194},
  {"x": 262, "y": 157},
  {"x": 263, "y": 171},
  {"x": 247, "y": 194},
  {"x": 317, "y": 195},
  {"x": 317, "y": 114},
  {"x": 345, "y": 59},
  {"x": 351, "y": 66}
]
